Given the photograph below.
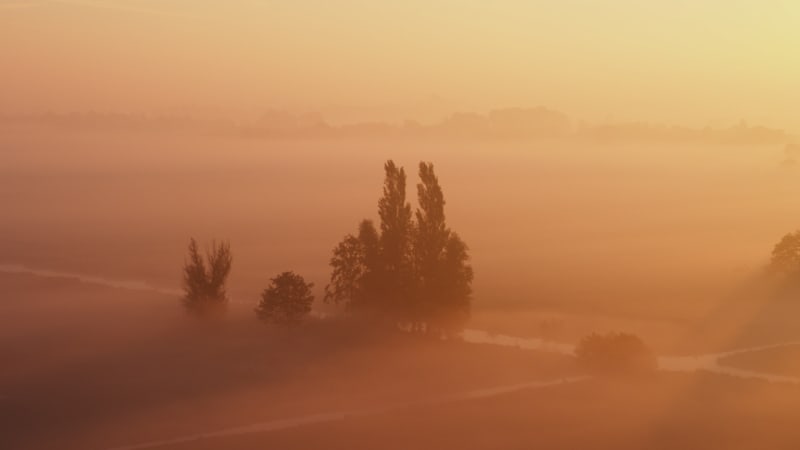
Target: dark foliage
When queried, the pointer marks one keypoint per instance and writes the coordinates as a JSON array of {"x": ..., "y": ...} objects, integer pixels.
[
  {"x": 286, "y": 301},
  {"x": 615, "y": 354},
  {"x": 786, "y": 256},
  {"x": 414, "y": 273},
  {"x": 204, "y": 279}
]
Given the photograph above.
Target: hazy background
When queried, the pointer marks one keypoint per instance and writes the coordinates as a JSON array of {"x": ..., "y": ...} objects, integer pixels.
[{"x": 686, "y": 62}]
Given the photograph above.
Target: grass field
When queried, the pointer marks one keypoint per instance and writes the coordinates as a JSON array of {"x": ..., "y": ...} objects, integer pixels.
[
  {"x": 108, "y": 367},
  {"x": 96, "y": 373}
]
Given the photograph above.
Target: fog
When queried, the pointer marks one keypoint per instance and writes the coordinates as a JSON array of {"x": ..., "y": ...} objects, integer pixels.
[
  {"x": 418, "y": 225},
  {"x": 568, "y": 236},
  {"x": 617, "y": 226}
]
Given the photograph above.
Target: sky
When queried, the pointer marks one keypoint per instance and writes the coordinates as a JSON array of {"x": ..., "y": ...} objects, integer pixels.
[{"x": 699, "y": 62}]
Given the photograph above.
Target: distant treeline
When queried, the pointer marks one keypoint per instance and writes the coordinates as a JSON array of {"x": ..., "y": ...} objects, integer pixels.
[{"x": 508, "y": 123}]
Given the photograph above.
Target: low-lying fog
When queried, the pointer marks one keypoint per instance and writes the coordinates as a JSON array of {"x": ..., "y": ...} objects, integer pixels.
[
  {"x": 567, "y": 236},
  {"x": 633, "y": 227}
]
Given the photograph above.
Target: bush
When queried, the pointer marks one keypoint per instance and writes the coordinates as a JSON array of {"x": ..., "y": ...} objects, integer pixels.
[
  {"x": 615, "y": 354},
  {"x": 286, "y": 301},
  {"x": 786, "y": 256}
]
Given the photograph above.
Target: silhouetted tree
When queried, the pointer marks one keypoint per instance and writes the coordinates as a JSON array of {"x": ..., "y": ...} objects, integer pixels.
[
  {"x": 442, "y": 273},
  {"x": 452, "y": 305},
  {"x": 394, "y": 272},
  {"x": 355, "y": 264},
  {"x": 372, "y": 271},
  {"x": 204, "y": 280},
  {"x": 430, "y": 232},
  {"x": 286, "y": 301},
  {"x": 615, "y": 354},
  {"x": 415, "y": 272},
  {"x": 786, "y": 255}
]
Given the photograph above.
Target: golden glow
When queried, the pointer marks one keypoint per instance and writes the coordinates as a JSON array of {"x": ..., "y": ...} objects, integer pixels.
[{"x": 690, "y": 62}]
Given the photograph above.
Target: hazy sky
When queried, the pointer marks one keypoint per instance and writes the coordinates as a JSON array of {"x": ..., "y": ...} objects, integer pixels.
[{"x": 695, "y": 62}]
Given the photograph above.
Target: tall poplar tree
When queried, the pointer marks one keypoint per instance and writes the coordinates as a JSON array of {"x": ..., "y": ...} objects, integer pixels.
[{"x": 415, "y": 271}]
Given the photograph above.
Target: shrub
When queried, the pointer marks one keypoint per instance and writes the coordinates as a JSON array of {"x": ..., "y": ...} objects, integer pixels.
[
  {"x": 615, "y": 354},
  {"x": 286, "y": 301}
]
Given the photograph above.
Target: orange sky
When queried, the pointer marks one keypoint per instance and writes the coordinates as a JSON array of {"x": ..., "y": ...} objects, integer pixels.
[{"x": 679, "y": 61}]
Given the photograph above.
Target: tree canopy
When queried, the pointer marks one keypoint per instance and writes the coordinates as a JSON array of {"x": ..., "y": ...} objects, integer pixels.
[
  {"x": 786, "y": 255},
  {"x": 615, "y": 354},
  {"x": 415, "y": 272},
  {"x": 204, "y": 280},
  {"x": 286, "y": 301}
]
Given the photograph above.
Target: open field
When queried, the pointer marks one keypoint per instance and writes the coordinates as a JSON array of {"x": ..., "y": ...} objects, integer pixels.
[
  {"x": 111, "y": 366},
  {"x": 667, "y": 412},
  {"x": 399, "y": 225},
  {"x": 87, "y": 365},
  {"x": 115, "y": 367}
]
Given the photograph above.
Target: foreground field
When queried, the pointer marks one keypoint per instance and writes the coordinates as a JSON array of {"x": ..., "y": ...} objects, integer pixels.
[
  {"x": 114, "y": 368},
  {"x": 135, "y": 370},
  {"x": 666, "y": 412}
]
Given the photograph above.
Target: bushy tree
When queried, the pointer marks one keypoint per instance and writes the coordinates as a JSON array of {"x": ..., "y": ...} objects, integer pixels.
[
  {"x": 286, "y": 301},
  {"x": 204, "y": 279},
  {"x": 373, "y": 270},
  {"x": 615, "y": 354},
  {"x": 453, "y": 295},
  {"x": 356, "y": 266},
  {"x": 786, "y": 255}
]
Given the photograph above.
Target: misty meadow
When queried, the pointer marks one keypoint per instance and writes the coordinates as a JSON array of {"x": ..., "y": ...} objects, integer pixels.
[{"x": 375, "y": 225}]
